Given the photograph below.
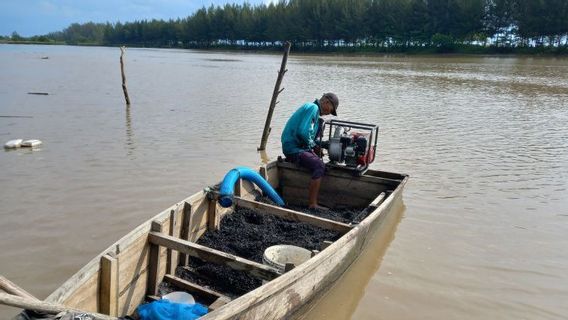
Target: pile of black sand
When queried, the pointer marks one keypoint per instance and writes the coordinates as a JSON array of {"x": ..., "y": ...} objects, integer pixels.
[
  {"x": 247, "y": 234},
  {"x": 345, "y": 215}
]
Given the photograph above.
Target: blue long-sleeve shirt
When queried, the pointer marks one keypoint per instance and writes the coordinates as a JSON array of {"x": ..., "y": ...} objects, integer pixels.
[{"x": 300, "y": 130}]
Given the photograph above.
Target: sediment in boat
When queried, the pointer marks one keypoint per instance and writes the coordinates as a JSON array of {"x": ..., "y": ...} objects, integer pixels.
[
  {"x": 345, "y": 215},
  {"x": 246, "y": 233}
]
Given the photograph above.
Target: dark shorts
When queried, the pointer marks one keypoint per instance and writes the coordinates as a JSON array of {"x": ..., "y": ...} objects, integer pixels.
[{"x": 310, "y": 161}]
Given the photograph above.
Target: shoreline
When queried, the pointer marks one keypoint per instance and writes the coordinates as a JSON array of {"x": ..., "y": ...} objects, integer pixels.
[{"x": 339, "y": 51}]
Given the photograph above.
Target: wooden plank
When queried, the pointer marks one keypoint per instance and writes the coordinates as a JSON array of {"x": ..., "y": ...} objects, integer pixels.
[
  {"x": 154, "y": 263},
  {"x": 284, "y": 296},
  {"x": 193, "y": 288},
  {"x": 153, "y": 298},
  {"x": 134, "y": 294},
  {"x": 81, "y": 290},
  {"x": 293, "y": 215},
  {"x": 177, "y": 229},
  {"x": 132, "y": 261},
  {"x": 263, "y": 173},
  {"x": 108, "y": 294},
  {"x": 221, "y": 301},
  {"x": 86, "y": 295},
  {"x": 215, "y": 256},
  {"x": 338, "y": 173},
  {"x": 82, "y": 287},
  {"x": 271, "y": 164},
  {"x": 336, "y": 191},
  {"x": 184, "y": 233},
  {"x": 325, "y": 244},
  {"x": 238, "y": 188},
  {"x": 272, "y": 176},
  {"x": 213, "y": 216},
  {"x": 248, "y": 190},
  {"x": 221, "y": 212},
  {"x": 335, "y": 186},
  {"x": 133, "y": 251},
  {"x": 170, "y": 261},
  {"x": 14, "y": 289},
  {"x": 375, "y": 203},
  {"x": 135, "y": 268},
  {"x": 199, "y": 215},
  {"x": 47, "y": 307},
  {"x": 299, "y": 196},
  {"x": 385, "y": 175}
]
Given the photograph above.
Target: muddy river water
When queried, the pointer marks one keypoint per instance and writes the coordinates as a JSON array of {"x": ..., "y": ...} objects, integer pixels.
[{"x": 483, "y": 225}]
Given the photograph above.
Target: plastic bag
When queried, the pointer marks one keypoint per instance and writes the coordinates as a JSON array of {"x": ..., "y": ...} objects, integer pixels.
[{"x": 166, "y": 310}]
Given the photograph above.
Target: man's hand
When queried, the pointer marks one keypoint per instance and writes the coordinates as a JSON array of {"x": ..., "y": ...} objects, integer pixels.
[{"x": 318, "y": 151}]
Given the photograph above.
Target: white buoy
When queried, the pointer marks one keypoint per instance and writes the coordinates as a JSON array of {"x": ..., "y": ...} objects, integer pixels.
[
  {"x": 31, "y": 143},
  {"x": 13, "y": 144}
]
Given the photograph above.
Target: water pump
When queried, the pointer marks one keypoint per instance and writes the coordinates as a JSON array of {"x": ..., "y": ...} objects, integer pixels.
[{"x": 351, "y": 145}]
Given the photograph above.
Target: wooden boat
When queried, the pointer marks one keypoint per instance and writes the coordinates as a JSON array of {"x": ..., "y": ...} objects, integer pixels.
[{"x": 129, "y": 272}]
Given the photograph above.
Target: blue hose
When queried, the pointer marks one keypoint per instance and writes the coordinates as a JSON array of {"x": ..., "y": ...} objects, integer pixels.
[{"x": 228, "y": 186}]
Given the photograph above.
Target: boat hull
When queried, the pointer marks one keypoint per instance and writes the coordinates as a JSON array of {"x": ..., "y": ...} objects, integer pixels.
[{"x": 120, "y": 278}]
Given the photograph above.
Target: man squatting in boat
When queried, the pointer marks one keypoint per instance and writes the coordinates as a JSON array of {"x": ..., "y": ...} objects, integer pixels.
[{"x": 298, "y": 140}]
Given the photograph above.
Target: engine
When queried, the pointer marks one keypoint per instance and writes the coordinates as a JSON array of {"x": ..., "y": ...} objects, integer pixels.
[{"x": 351, "y": 145}]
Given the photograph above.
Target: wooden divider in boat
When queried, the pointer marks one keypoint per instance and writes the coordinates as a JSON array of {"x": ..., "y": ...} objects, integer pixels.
[{"x": 129, "y": 272}]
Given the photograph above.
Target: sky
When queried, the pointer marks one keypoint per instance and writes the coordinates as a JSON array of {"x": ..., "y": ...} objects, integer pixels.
[{"x": 38, "y": 17}]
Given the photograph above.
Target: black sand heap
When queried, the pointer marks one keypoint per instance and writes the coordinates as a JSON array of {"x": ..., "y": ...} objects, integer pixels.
[
  {"x": 246, "y": 233},
  {"x": 344, "y": 215}
]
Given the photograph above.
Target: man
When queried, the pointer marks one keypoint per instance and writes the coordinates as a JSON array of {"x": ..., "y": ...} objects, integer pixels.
[{"x": 298, "y": 140}]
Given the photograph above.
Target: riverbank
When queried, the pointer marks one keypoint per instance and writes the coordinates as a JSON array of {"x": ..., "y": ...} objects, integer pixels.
[{"x": 351, "y": 50}]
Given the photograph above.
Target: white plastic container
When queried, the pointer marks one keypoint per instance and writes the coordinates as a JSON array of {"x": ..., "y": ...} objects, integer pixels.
[
  {"x": 278, "y": 256},
  {"x": 13, "y": 144},
  {"x": 179, "y": 297},
  {"x": 31, "y": 143}
]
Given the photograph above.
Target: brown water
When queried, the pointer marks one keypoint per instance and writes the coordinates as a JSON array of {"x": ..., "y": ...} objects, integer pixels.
[{"x": 484, "y": 139}]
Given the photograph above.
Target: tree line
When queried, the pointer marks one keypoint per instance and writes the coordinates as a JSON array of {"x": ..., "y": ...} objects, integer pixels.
[{"x": 322, "y": 25}]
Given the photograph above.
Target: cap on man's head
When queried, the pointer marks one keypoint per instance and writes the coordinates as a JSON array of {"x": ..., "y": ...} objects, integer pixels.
[{"x": 332, "y": 97}]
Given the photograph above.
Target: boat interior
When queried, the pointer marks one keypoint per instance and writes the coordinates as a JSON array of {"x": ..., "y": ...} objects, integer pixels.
[{"x": 168, "y": 252}]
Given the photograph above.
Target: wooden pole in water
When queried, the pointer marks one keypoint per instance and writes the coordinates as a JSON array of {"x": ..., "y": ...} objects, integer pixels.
[
  {"x": 275, "y": 94},
  {"x": 122, "y": 50}
]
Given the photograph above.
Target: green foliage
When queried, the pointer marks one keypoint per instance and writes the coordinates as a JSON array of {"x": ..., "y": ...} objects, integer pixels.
[
  {"x": 443, "y": 42},
  {"x": 16, "y": 37},
  {"x": 346, "y": 25}
]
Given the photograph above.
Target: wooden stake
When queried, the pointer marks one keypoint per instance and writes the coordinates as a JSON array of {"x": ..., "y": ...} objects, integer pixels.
[
  {"x": 122, "y": 50},
  {"x": 275, "y": 94}
]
